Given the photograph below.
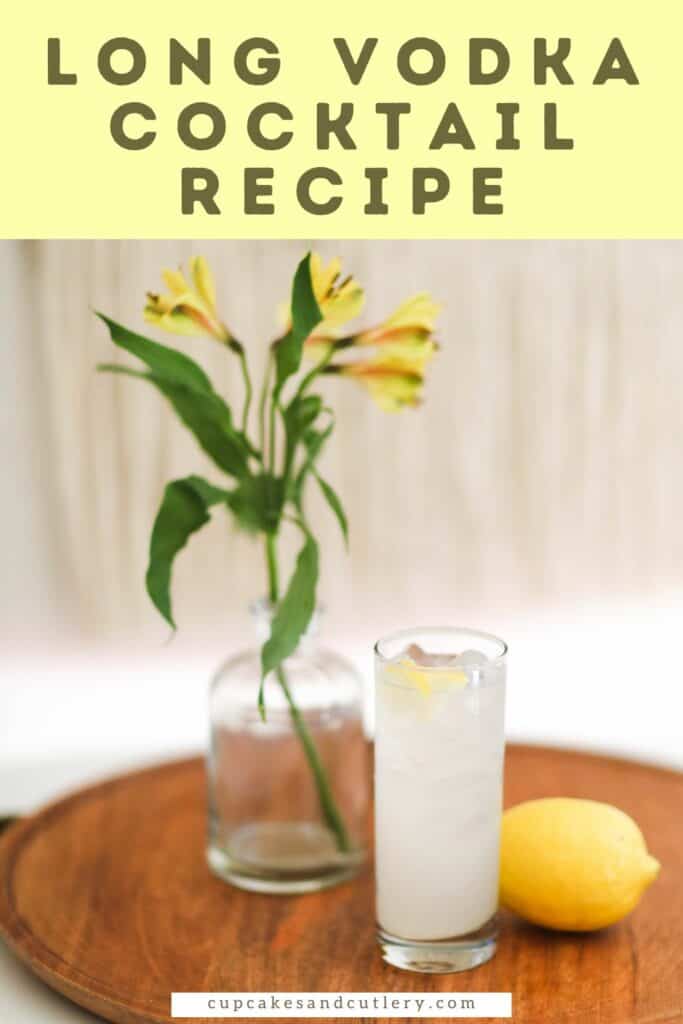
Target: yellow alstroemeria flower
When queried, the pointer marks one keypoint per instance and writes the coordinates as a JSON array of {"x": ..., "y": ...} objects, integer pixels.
[
  {"x": 392, "y": 383},
  {"x": 407, "y": 335},
  {"x": 339, "y": 302},
  {"x": 188, "y": 308}
]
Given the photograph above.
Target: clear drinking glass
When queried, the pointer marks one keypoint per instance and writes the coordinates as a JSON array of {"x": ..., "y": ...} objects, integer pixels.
[
  {"x": 439, "y": 748},
  {"x": 269, "y": 827}
]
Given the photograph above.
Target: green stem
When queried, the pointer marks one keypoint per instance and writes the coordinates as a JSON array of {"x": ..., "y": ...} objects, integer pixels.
[
  {"x": 262, "y": 403},
  {"x": 272, "y": 444},
  {"x": 248, "y": 390},
  {"x": 331, "y": 814},
  {"x": 328, "y": 806},
  {"x": 319, "y": 367},
  {"x": 304, "y": 384},
  {"x": 271, "y": 561}
]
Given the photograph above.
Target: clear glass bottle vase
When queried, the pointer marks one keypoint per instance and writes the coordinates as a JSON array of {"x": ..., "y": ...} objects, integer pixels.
[{"x": 288, "y": 796}]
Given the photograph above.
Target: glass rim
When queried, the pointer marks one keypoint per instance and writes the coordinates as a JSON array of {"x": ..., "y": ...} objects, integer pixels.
[{"x": 413, "y": 631}]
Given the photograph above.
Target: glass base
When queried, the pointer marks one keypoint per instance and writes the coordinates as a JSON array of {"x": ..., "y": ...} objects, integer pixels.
[
  {"x": 282, "y": 857},
  {"x": 442, "y": 956}
]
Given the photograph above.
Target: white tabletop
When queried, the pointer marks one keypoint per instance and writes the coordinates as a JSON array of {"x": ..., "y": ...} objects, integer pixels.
[{"x": 25, "y": 1000}]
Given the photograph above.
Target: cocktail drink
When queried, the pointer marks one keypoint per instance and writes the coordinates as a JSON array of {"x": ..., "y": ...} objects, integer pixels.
[{"x": 439, "y": 747}]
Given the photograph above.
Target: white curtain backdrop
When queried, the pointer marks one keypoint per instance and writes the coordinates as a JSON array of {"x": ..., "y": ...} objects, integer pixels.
[{"x": 543, "y": 469}]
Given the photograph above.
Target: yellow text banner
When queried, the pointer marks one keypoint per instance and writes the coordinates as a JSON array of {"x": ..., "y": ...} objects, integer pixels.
[{"x": 384, "y": 120}]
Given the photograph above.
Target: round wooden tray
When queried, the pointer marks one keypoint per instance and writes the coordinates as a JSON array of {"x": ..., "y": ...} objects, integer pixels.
[{"x": 106, "y": 896}]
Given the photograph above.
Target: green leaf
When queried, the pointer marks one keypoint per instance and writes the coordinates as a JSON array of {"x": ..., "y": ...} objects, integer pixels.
[
  {"x": 209, "y": 494},
  {"x": 162, "y": 360},
  {"x": 301, "y": 412},
  {"x": 314, "y": 441},
  {"x": 257, "y": 503},
  {"x": 183, "y": 511},
  {"x": 305, "y": 316},
  {"x": 335, "y": 504},
  {"x": 204, "y": 413},
  {"x": 293, "y": 614},
  {"x": 205, "y": 416}
]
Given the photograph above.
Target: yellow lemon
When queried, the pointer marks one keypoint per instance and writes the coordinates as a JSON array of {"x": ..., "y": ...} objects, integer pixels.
[
  {"x": 574, "y": 865},
  {"x": 423, "y": 678}
]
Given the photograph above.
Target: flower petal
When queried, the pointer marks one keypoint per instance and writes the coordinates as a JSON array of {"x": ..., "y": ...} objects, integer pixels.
[
  {"x": 188, "y": 309},
  {"x": 176, "y": 322},
  {"x": 413, "y": 352},
  {"x": 344, "y": 305},
  {"x": 323, "y": 278},
  {"x": 338, "y": 302},
  {"x": 175, "y": 281},
  {"x": 203, "y": 281},
  {"x": 392, "y": 384},
  {"x": 418, "y": 311}
]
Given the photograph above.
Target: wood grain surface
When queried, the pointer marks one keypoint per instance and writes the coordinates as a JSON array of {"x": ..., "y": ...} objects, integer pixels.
[{"x": 106, "y": 896}]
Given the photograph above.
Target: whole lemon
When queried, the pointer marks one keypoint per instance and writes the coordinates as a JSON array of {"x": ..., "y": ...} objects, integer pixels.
[{"x": 574, "y": 865}]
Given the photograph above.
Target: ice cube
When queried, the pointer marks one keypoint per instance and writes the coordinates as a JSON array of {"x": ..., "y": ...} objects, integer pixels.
[{"x": 470, "y": 659}]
